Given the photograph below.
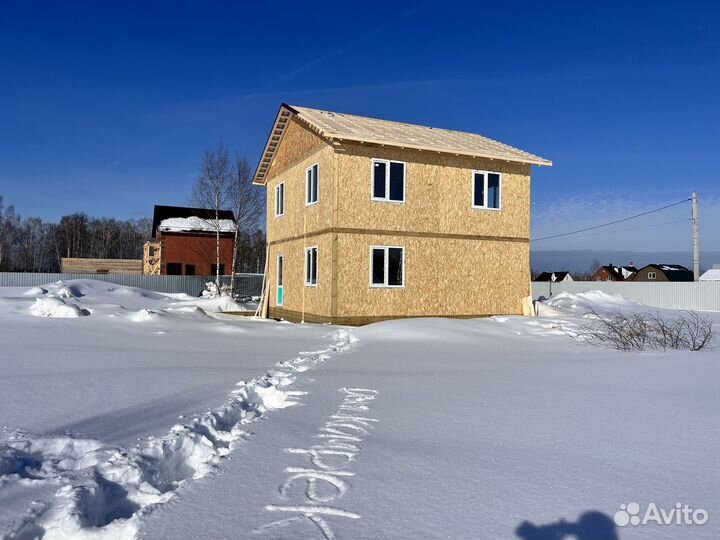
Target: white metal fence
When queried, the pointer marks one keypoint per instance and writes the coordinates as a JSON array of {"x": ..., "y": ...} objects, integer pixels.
[
  {"x": 245, "y": 284},
  {"x": 699, "y": 295}
]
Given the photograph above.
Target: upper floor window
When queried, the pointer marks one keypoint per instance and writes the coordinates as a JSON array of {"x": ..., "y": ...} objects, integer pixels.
[
  {"x": 486, "y": 190},
  {"x": 388, "y": 180},
  {"x": 280, "y": 199},
  {"x": 311, "y": 266},
  {"x": 652, "y": 275},
  {"x": 311, "y": 184},
  {"x": 387, "y": 266}
]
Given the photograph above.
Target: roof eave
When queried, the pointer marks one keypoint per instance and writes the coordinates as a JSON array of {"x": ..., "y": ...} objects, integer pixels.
[
  {"x": 284, "y": 115},
  {"x": 531, "y": 160}
]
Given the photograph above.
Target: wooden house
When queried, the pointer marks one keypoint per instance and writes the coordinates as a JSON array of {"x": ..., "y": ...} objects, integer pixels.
[
  {"x": 554, "y": 276},
  {"x": 184, "y": 242},
  {"x": 369, "y": 219},
  {"x": 610, "y": 272},
  {"x": 664, "y": 272}
]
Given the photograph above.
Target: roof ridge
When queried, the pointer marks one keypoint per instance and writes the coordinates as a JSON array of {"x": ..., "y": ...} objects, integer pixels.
[{"x": 300, "y": 109}]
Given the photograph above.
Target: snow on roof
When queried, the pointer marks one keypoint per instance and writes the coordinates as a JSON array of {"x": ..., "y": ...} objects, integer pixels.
[
  {"x": 711, "y": 275},
  {"x": 194, "y": 223}
]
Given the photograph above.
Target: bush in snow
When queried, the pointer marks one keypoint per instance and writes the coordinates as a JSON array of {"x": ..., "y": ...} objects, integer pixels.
[{"x": 641, "y": 331}]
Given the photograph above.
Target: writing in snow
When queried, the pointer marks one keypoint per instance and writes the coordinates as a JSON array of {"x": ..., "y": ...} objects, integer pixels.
[{"x": 324, "y": 477}]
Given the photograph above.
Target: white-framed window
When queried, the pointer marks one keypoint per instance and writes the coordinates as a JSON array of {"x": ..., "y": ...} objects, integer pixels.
[
  {"x": 312, "y": 184},
  {"x": 652, "y": 275},
  {"x": 280, "y": 199},
  {"x": 487, "y": 190},
  {"x": 387, "y": 266},
  {"x": 388, "y": 180},
  {"x": 280, "y": 275},
  {"x": 311, "y": 258}
]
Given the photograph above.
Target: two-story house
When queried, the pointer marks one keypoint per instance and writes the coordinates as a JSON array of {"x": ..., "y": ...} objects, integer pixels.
[{"x": 369, "y": 219}]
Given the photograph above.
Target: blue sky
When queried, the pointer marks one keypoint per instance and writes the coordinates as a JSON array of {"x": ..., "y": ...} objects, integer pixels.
[{"x": 107, "y": 106}]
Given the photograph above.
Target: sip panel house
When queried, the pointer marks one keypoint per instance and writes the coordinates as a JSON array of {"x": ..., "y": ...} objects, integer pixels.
[{"x": 370, "y": 219}]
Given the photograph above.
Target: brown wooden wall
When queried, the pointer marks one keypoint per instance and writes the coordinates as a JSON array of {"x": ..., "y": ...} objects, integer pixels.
[{"x": 101, "y": 266}]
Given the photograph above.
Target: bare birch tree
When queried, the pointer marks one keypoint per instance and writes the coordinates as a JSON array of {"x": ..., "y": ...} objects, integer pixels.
[
  {"x": 211, "y": 191},
  {"x": 247, "y": 204}
]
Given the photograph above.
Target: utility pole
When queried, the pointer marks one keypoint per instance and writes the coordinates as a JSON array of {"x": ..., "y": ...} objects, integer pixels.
[{"x": 696, "y": 237}]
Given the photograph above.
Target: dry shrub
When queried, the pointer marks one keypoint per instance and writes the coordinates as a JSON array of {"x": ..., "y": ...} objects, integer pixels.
[{"x": 688, "y": 331}]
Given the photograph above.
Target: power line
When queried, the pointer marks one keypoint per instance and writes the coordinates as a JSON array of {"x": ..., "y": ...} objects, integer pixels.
[
  {"x": 612, "y": 222},
  {"x": 684, "y": 220}
]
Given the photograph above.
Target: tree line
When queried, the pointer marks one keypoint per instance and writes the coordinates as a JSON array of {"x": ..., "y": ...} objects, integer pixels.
[{"x": 31, "y": 244}]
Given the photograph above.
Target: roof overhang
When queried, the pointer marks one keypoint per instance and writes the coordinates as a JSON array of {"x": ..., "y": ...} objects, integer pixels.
[
  {"x": 282, "y": 120},
  {"x": 287, "y": 112},
  {"x": 421, "y": 148}
]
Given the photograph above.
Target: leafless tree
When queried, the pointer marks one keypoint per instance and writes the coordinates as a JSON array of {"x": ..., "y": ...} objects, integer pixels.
[
  {"x": 8, "y": 224},
  {"x": 247, "y": 203},
  {"x": 211, "y": 191}
]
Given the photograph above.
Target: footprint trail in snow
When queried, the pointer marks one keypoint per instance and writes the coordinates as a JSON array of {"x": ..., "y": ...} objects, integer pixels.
[{"x": 103, "y": 491}]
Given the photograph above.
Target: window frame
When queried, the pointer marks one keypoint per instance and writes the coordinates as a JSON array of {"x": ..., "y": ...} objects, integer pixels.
[
  {"x": 305, "y": 266},
  {"x": 485, "y": 191},
  {"x": 387, "y": 198},
  {"x": 317, "y": 183},
  {"x": 278, "y": 188},
  {"x": 386, "y": 260},
  {"x": 652, "y": 275},
  {"x": 280, "y": 278}
]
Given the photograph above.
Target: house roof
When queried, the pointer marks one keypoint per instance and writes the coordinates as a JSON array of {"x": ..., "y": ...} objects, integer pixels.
[
  {"x": 334, "y": 126},
  {"x": 547, "y": 276},
  {"x": 674, "y": 272},
  {"x": 162, "y": 212},
  {"x": 711, "y": 275},
  {"x": 620, "y": 273}
]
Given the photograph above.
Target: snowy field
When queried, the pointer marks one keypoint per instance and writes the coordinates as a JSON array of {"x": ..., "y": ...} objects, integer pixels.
[{"x": 131, "y": 414}]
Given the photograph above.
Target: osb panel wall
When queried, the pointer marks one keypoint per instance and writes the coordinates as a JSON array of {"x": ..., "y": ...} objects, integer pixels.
[
  {"x": 449, "y": 277},
  {"x": 297, "y": 143},
  {"x": 298, "y": 297},
  {"x": 299, "y": 219},
  {"x": 438, "y": 194}
]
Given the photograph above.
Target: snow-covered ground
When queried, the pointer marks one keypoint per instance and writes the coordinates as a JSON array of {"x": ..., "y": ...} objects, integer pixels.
[{"x": 133, "y": 425}]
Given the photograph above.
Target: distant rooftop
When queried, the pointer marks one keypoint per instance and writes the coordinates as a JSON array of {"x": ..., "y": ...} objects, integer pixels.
[{"x": 162, "y": 213}]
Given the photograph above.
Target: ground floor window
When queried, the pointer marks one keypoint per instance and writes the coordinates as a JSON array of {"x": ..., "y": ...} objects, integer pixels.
[
  {"x": 311, "y": 266},
  {"x": 174, "y": 269},
  {"x": 213, "y": 269},
  {"x": 189, "y": 269},
  {"x": 280, "y": 288},
  {"x": 387, "y": 266}
]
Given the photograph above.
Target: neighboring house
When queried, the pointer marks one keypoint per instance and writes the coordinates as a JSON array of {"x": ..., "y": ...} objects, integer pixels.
[
  {"x": 664, "y": 272},
  {"x": 712, "y": 275},
  {"x": 554, "y": 276},
  {"x": 185, "y": 241},
  {"x": 611, "y": 272},
  {"x": 369, "y": 219}
]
